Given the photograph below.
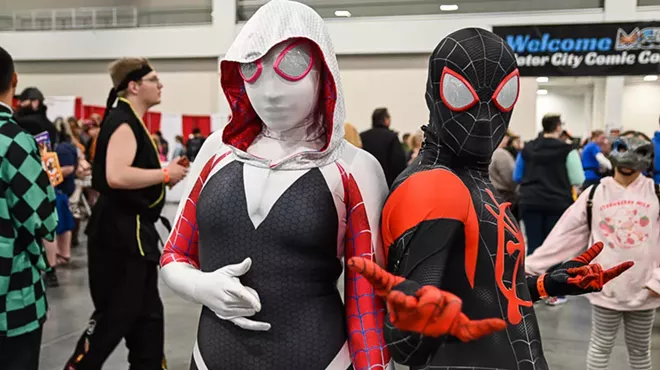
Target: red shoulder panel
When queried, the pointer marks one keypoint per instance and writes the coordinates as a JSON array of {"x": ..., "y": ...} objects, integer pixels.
[{"x": 431, "y": 195}]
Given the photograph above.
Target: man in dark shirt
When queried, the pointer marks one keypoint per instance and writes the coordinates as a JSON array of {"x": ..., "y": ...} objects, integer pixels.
[
  {"x": 384, "y": 144},
  {"x": 122, "y": 249},
  {"x": 31, "y": 114},
  {"x": 546, "y": 169},
  {"x": 194, "y": 144}
]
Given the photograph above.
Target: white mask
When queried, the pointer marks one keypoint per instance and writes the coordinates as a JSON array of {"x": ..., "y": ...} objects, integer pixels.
[{"x": 283, "y": 86}]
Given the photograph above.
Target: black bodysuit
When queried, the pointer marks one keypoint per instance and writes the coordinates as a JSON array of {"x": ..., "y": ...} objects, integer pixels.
[
  {"x": 444, "y": 224},
  {"x": 295, "y": 270},
  {"x": 439, "y": 250}
]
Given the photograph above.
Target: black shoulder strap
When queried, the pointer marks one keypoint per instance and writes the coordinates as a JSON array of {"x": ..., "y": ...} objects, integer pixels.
[
  {"x": 590, "y": 202},
  {"x": 657, "y": 191}
]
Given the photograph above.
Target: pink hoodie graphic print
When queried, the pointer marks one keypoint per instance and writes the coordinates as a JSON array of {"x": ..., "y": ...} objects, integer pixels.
[
  {"x": 627, "y": 221},
  {"x": 625, "y": 224}
]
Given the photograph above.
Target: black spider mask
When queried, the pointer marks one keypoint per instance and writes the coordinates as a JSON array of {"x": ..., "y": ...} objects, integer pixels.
[{"x": 472, "y": 88}]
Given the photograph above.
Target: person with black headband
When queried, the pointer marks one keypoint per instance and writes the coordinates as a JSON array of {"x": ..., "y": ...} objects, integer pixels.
[{"x": 123, "y": 242}]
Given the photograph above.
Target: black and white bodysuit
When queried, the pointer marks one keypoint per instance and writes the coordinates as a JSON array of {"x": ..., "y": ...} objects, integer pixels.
[{"x": 292, "y": 198}]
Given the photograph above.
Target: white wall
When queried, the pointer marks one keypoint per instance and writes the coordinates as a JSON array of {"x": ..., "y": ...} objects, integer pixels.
[
  {"x": 640, "y": 107},
  {"x": 575, "y": 110},
  {"x": 584, "y": 112},
  {"x": 399, "y": 83},
  {"x": 8, "y": 6},
  {"x": 358, "y": 36},
  {"x": 156, "y": 42},
  {"x": 524, "y": 114},
  {"x": 383, "y": 62},
  {"x": 395, "y": 82},
  {"x": 370, "y": 35},
  {"x": 190, "y": 86}
]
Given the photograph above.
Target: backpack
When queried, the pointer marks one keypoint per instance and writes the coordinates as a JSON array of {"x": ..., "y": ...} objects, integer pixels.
[{"x": 590, "y": 203}]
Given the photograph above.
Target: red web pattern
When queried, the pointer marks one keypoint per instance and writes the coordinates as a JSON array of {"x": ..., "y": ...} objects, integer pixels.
[
  {"x": 245, "y": 124},
  {"x": 182, "y": 245},
  {"x": 365, "y": 312},
  {"x": 504, "y": 223}
]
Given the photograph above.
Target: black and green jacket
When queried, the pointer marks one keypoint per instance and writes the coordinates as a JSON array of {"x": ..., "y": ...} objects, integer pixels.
[{"x": 27, "y": 215}]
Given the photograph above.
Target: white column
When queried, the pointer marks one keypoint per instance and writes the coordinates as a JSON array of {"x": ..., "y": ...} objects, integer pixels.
[
  {"x": 613, "y": 102},
  {"x": 523, "y": 120},
  {"x": 224, "y": 22},
  {"x": 612, "y": 99},
  {"x": 620, "y": 10},
  {"x": 598, "y": 105},
  {"x": 584, "y": 128}
]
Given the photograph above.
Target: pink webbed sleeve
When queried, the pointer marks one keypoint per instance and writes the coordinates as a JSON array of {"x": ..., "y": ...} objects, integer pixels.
[
  {"x": 182, "y": 244},
  {"x": 364, "y": 310}
]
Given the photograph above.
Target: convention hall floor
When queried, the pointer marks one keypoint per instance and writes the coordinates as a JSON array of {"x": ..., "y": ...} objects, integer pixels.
[{"x": 565, "y": 328}]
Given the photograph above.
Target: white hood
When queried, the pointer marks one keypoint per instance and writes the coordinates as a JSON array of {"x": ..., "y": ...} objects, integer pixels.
[{"x": 273, "y": 23}]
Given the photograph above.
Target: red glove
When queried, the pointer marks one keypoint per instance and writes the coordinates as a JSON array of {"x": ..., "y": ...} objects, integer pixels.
[
  {"x": 423, "y": 309},
  {"x": 577, "y": 276}
]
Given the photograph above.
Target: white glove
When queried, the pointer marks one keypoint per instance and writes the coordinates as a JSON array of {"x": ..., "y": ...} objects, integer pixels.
[{"x": 220, "y": 290}]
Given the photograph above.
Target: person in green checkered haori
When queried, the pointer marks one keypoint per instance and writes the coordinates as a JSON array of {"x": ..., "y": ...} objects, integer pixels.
[{"x": 27, "y": 215}]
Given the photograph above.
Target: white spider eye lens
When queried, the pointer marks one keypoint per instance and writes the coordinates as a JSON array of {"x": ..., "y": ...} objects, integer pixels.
[
  {"x": 456, "y": 92},
  {"x": 295, "y": 61},
  {"x": 506, "y": 94},
  {"x": 250, "y": 71}
]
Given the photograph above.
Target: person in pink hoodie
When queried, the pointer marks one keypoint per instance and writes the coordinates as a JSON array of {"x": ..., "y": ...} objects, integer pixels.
[{"x": 625, "y": 217}]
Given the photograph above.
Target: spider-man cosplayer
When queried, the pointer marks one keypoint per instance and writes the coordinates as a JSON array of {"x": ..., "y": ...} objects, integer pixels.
[
  {"x": 455, "y": 252},
  {"x": 275, "y": 202}
]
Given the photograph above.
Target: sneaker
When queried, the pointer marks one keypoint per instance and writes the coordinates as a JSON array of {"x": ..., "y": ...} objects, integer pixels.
[
  {"x": 555, "y": 301},
  {"x": 50, "y": 278}
]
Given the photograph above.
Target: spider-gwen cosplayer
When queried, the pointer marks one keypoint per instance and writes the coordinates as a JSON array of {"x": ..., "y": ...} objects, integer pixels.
[
  {"x": 455, "y": 252},
  {"x": 275, "y": 202}
]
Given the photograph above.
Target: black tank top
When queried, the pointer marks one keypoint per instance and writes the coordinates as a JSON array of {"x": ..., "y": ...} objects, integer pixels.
[
  {"x": 129, "y": 215},
  {"x": 294, "y": 270}
]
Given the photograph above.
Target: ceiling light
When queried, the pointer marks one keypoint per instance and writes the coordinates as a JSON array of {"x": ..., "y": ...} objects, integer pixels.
[
  {"x": 542, "y": 79},
  {"x": 342, "y": 13},
  {"x": 651, "y": 78},
  {"x": 541, "y": 92},
  {"x": 449, "y": 8}
]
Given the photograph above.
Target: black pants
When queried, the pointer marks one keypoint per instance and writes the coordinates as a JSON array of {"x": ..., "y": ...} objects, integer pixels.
[
  {"x": 124, "y": 289},
  {"x": 538, "y": 224},
  {"x": 21, "y": 352}
]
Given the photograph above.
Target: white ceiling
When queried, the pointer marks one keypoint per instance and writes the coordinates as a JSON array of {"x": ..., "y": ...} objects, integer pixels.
[{"x": 365, "y": 8}]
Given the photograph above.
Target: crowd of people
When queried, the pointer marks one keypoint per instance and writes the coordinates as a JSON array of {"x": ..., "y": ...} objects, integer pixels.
[
  {"x": 551, "y": 183},
  {"x": 278, "y": 201},
  {"x": 570, "y": 193}
]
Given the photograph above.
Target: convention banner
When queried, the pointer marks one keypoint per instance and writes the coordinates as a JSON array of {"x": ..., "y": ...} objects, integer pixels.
[{"x": 600, "y": 49}]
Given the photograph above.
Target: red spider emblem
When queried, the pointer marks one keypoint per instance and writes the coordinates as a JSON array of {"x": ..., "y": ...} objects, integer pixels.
[{"x": 504, "y": 223}]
